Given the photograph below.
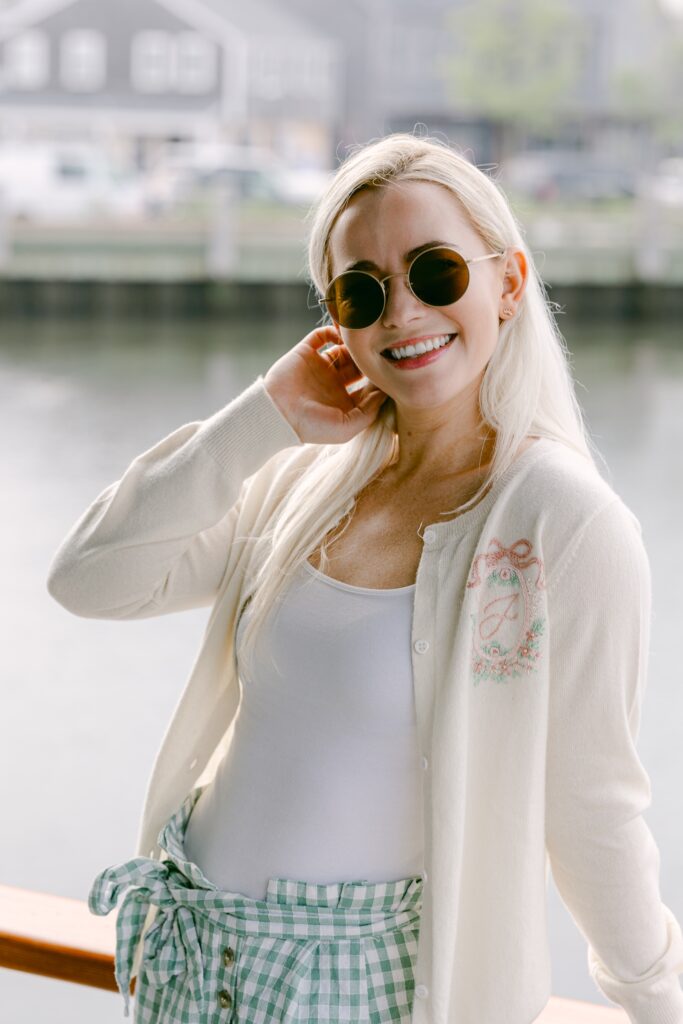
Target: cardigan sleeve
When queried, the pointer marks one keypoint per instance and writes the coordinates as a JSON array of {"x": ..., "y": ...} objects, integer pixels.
[
  {"x": 157, "y": 540},
  {"x": 603, "y": 857}
]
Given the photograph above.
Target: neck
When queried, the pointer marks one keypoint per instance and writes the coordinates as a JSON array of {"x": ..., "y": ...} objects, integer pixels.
[{"x": 438, "y": 444}]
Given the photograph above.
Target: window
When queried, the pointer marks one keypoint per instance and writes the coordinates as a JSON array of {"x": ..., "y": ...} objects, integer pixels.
[
  {"x": 152, "y": 62},
  {"x": 195, "y": 63},
  {"x": 83, "y": 60},
  {"x": 308, "y": 71},
  {"x": 267, "y": 72},
  {"x": 27, "y": 59},
  {"x": 161, "y": 62}
]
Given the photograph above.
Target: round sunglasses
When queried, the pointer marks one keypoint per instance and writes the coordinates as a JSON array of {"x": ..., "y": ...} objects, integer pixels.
[{"x": 437, "y": 277}]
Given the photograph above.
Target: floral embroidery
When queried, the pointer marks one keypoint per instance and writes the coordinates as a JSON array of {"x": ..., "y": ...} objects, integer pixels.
[{"x": 506, "y": 639}]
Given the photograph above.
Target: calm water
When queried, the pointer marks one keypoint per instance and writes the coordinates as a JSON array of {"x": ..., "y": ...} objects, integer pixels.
[{"x": 86, "y": 702}]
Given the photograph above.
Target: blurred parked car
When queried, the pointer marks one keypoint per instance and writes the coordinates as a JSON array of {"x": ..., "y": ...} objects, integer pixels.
[
  {"x": 191, "y": 172},
  {"x": 665, "y": 185},
  {"x": 567, "y": 174},
  {"x": 64, "y": 181},
  {"x": 299, "y": 184}
]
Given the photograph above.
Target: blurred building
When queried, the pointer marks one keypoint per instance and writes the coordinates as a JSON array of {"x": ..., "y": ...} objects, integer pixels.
[
  {"x": 141, "y": 73},
  {"x": 401, "y": 55},
  {"x": 306, "y": 78}
]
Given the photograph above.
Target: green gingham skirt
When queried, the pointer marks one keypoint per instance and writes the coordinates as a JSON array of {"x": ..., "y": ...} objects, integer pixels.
[{"x": 307, "y": 952}]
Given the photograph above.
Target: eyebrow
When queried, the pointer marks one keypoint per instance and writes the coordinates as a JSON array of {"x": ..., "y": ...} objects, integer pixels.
[{"x": 369, "y": 265}]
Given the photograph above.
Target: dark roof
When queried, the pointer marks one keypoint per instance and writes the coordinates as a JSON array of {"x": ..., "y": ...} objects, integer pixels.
[
  {"x": 261, "y": 18},
  {"x": 252, "y": 17}
]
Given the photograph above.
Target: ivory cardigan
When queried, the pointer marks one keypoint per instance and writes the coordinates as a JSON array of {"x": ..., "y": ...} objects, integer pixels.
[{"x": 529, "y": 642}]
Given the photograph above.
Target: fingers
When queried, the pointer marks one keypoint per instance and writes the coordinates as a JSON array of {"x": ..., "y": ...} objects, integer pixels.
[
  {"x": 342, "y": 362},
  {"x": 369, "y": 398},
  {"x": 322, "y": 336},
  {"x": 340, "y": 357},
  {"x": 337, "y": 355}
]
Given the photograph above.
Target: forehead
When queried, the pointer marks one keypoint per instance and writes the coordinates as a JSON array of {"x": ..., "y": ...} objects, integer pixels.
[{"x": 381, "y": 224}]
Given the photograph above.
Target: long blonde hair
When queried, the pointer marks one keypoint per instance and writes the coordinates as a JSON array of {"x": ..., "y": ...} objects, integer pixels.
[{"x": 527, "y": 388}]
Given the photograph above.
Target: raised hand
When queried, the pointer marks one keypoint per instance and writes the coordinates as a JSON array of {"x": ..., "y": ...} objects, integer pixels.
[{"x": 309, "y": 388}]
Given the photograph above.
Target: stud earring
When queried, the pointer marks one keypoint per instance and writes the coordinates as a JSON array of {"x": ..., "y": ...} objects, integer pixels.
[{"x": 507, "y": 311}]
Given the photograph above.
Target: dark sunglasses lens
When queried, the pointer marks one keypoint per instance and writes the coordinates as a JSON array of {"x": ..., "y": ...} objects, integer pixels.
[
  {"x": 439, "y": 277},
  {"x": 355, "y": 299}
]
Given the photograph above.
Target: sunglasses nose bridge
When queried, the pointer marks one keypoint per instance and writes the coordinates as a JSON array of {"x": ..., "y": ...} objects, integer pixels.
[{"x": 390, "y": 294}]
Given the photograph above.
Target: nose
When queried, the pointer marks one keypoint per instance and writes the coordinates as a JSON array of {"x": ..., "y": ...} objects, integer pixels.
[{"x": 401, "y": 306}]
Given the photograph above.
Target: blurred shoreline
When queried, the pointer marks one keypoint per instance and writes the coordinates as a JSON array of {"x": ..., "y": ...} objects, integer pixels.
[
  {"x": 610, "y": 259},
  {"x": 221, "y": 300}
]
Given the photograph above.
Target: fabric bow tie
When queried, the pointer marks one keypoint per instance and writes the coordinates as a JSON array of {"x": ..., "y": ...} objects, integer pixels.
[{"x": 171, "y": 946}]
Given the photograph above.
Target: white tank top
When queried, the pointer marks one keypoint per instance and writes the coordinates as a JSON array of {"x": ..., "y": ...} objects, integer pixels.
[{"x": 322, "y": 780}]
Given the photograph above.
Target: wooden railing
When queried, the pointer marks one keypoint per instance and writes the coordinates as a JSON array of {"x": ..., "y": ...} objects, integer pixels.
[
  {"x": 59, "y": 938},
  {"x": 56, "y": 937}
]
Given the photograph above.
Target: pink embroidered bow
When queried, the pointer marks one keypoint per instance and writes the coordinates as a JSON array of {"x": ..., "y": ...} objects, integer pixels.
[{"x": 517, "y": 555}]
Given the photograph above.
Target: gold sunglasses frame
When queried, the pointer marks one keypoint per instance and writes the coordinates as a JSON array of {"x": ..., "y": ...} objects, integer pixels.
[{"x": 380, "y": 280}]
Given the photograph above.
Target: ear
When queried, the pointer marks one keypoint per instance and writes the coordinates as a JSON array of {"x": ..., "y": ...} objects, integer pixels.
[{"x": 514, "y": 282}]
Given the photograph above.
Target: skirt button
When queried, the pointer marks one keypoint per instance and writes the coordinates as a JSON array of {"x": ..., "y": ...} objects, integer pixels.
[{"x": 224, "y": 998}]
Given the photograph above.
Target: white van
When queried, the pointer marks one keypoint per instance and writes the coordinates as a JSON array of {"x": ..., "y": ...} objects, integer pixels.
[
  {"x": 190, "y": 171},
  {"x": 45, "y": 181}
]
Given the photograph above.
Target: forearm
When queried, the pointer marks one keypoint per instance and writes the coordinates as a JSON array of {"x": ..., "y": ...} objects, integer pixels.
[
  {"x": 167, "y": 523},
  {"x": 604, "y": 859}
]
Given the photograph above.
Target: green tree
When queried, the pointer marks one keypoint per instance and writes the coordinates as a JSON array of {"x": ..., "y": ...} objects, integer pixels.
[
  {"x": 664, "y": 93},
  {"x": 653, "y": 95},
  {"x": 516, "y": 62}
]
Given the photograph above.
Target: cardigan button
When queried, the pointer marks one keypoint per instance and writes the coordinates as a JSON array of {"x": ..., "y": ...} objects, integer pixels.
[
  {"x": 421, "y": 646},
  {"x": 425, "y": 764},
  {"x": 421, "y": 991},
  {"x": 429, "y": 536}
]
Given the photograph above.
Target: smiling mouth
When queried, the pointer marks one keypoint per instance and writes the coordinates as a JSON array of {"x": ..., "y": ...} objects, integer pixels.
[{"x": 420, "y": 348}]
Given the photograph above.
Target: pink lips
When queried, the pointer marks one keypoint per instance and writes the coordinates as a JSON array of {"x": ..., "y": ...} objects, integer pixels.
[
  {"x": 414, "y": 341},
  {"x": 412, "y": 362}
]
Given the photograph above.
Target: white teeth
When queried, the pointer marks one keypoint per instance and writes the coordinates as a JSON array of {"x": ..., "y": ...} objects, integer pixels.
[{"x": 420, "y": 348}]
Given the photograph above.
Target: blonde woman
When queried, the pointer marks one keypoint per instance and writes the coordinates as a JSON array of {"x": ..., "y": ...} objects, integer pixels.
[{"x": 421, "y": 681}]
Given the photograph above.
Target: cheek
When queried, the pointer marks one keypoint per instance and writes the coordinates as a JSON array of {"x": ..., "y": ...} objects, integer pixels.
[
  {"x": 359, "y": 351},
  {"x": 476, "y": 312}
]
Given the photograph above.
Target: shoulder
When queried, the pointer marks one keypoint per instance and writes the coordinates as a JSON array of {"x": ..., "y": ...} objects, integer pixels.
[
  {"x": 568, "y": 507},
  {"x": 554, "y": 487},
  {"x": 266, "y": 489},
  {"x": 562, "y": 478}
]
